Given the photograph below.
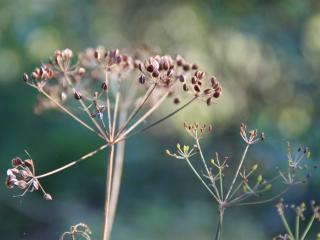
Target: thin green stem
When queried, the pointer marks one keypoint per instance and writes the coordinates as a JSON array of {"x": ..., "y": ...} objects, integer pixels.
[
  {"x": 200, "y": 178},
  {"x": 297, "y": 226},
  {"x": 308, "y": 227},
  {"x": 238, "y": 170},
  {"x": 286, "y": 225},
  {"x": 207, "y": 169}
]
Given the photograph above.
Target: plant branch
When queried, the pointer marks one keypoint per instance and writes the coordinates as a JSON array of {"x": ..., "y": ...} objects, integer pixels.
[
  {"x": 88, "y": 155},
  {"x": 238, "y": 170}
]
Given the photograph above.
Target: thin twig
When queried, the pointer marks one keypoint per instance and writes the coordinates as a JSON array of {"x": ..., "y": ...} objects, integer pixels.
[
  {"x": 238, "y": 170},
  {"x": 88, "y": 155}
]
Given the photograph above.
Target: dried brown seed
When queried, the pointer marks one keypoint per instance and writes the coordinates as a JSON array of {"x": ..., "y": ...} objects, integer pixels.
[
  {"x": 181, "y": 78},
  {"x": 176, "y": 101},
  {"x": 155, "y": 74},
  {"x": 142, "y": 79},
  {"x": 185, "y": 87},
  {"x": 217, "y": 94},
  {"x": 104, "y": 86},
  {"x": 97, "y": 54},
  {"x": 81, "y": 71},
  {"x": 150, "y": 68},
  {"x": 196, "y": 88},
  {"x": 25, "y": 77},
  {"x": 16, "y": 161},
  {"x": 21, "y": 184},
  {"x": 186, "y": 67},
  {"x": 47, "y": 196},
  {"x": 28, "y": 162},
  {"x": 194, "y": 66},
  {"x": 209, "y": 101},
  {"x": 77, "y": 95}
]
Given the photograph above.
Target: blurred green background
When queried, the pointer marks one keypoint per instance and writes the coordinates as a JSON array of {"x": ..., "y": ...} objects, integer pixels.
[{"x": 266, "y": 55}]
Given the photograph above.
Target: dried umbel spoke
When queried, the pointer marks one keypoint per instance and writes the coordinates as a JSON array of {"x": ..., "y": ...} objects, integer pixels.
[
  {"x": 247, "y": 184},
  {"x": 112, "y": 94},
  {"x": 298, "y": 170},
  {"x": 303, "y": 225},
  {"x": 22, "y": 176},
  {"x": 80, "y": 230}
]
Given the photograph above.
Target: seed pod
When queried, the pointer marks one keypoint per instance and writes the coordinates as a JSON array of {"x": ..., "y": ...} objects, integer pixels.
[
  {"x": 194, "y": 66},
  {"x": 150, "y": 68},
  {"x": 179, "y": 60},
  {"x": 93, "y": 114},
  {"x": 77, "y": 95},
  {"x": 21, "y": 184},
  {"x": 28, "y": 162},
  {"x": 209, "y": 101},
  {"x": 155, "y": 74},
  {"x": 97, "y": 54},
  {"x": 34, "y": 75},
  {"x": 181, "y": 78},
  {"x": 186, "y": 67},
  {"x": 217, "y": 94},
  {"x": 185, "y": 87},
  {"x": 142, "y": 79},
  {"x": 176, "y": 101},
  {"x": 47, "y": 196},
  {"x": 81, "y": 71},
  {"x": 25, "y": 77},
  {"x": 213, "y": 80},
  {"x": 193, "y": 80},
  {"x": 200, "y": 74},
  {"x": 16, "y": 162},
  {"x": 165, "y": 65},
  {"x": 67, "y": 53},
  {"x": 104, "y": 86},
  {"x": 207, "y": 91},
  {"x": 196, "y": 88}
]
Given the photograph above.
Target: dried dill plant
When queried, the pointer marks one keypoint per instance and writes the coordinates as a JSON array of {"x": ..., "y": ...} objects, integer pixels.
[
  {"x": 80, "y": 229},
  {"x": 246, "y": 184},
  {"x": 111, "y": 94},
  {"x": 302, "y": 226}
]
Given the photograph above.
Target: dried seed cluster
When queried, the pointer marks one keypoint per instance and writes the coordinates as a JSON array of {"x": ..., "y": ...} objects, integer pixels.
[
  {"x": 250, "y": 137},
  {"x": 100, "y": 65},
  {"x": 197, "y": 130},
  {"x": 22, "y": 176}
]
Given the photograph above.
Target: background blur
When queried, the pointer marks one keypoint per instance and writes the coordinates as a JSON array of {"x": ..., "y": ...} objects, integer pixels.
[{"x": 266, "y": 54}]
